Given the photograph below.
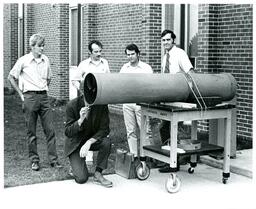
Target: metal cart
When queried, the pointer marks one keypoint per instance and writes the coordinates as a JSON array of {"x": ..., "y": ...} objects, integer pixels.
[{"x": 175, "y": 114}]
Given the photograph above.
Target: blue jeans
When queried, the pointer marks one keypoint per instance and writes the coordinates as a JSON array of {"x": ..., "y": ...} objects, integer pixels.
[
  {"x": 38, "y": 105},
  {"x": 78, "y": 164}
]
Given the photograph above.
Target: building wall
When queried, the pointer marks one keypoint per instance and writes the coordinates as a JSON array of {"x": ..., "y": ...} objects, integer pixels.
[
  {"x": 10, "y": 37},
  {"x": 89, "y": 27},
  {"x": 52, "y": 21},
  {"x": 225, "y": 45}
]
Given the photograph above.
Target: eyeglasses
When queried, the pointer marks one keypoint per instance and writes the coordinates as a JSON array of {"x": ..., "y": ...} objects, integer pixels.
[{"x": 167, "y": 39}]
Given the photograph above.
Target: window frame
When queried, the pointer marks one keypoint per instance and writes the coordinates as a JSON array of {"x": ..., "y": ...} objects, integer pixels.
[{"x": 78, "y": 34}]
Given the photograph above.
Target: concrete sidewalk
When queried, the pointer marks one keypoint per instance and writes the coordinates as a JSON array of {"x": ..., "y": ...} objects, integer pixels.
[
  {"x": 202, "y": 189},
  {"x": 241, "y": 165}
]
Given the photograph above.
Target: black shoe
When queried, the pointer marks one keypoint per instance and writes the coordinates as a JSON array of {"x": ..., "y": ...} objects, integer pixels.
[
  {"x": 165, "y": 169},
  {"x": 35, "y": 166},
  {"x": 56, "y": 164},
  {"x": 156, "y": 163}
]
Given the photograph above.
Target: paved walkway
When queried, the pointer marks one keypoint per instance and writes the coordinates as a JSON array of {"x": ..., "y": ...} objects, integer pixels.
[
  {"x": 242, "y": 164},
  {"x": 202, "y": 189}
]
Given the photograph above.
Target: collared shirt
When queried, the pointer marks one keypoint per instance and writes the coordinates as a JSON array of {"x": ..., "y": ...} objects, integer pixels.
[
  {"x": 90, "y": 66},
  {"x": 178, "y": 61},
  {"x": 142, "y": 67},
  {"x": 32, "y": 73}
]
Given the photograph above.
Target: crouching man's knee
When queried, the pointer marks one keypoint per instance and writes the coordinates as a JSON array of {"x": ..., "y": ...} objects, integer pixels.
[{"x": 81, "y": 180}]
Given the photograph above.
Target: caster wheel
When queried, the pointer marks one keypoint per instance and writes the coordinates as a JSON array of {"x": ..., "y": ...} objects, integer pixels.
[
  {"x": 173, "y": 184},
  {"x": 142, "y": 171},
  {"x": 224, "y": 180},
  {"x": 191, "y": 170}
]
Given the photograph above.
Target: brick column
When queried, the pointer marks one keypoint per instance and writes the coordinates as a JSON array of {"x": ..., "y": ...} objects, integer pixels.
[{"x": 10, "y": 37}]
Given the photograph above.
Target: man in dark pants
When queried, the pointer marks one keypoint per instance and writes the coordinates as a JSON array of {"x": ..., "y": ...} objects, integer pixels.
[
  {"x": 34, "y": 74},
  {"x": 87, "y": 128},
  {"x": 174, "y": 61}
]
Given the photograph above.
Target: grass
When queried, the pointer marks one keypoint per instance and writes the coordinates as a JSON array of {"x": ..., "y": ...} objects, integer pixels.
[{"x": 17, "y": 169}]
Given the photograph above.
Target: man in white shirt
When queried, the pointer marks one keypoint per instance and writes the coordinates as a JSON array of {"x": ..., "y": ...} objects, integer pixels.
[
  {"x": 35, "y": 72},
  {"x": 174, "y": 61},
  {"x": 131, "y": 111},
  {"x": 175, "y": 57},
  {"x": 94, "y": 64}
]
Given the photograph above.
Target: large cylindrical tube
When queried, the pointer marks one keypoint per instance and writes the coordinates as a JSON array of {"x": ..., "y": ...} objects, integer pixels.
[
  {"x": 215, "y": 85},
  {"x": 113, "y": 88}
]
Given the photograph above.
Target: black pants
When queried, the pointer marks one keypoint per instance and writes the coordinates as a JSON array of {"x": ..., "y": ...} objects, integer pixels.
[
  {"x": 37, "y": 105},
  {"x": 164, "y": 130},
  {"x": 79, "y": 166}
]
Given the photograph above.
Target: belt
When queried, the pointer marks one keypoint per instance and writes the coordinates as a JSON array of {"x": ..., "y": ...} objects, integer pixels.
[{"x": 36, "y": 92}]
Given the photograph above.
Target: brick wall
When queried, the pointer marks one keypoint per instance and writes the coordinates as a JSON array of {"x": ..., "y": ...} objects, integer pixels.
[
  {"x": 28, "y": 25},
  {"x": 52, "y": 21},
  {"x": 89, "y": 27},
  {"x": 225, "y": 45},
  {"x": 10, "y": 37},
  {"x": 117, "y": 25},
  {"x": 152, "y": 32}
]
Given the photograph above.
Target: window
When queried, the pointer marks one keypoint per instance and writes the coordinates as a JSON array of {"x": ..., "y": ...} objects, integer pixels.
[
  {"x": 75, "y": 35},
  {"x": 192, "y": 31},
  {"x": 74, "y": 45}
]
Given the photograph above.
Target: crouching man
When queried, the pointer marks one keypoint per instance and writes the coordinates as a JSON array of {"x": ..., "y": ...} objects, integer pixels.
[{"x": 87, "y": 128}]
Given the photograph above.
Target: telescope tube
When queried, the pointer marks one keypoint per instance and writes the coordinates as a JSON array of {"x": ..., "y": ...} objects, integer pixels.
[{"x": 115, "y": 88}]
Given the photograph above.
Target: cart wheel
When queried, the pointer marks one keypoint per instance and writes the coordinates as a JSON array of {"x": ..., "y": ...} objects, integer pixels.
[
  {"x": 142, "y": 171},
  {"x": 224, "y": 180},
  {"x": 173, "y": 183},
  {"x": 191, "y": 170}
]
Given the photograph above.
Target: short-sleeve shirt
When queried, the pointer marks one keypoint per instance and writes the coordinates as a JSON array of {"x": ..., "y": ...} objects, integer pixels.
[
  {"x": 90, "y": 66},
  {"x": 33, "y": 73},
  {"x": 142, "y": 67},
  {"x": 178, "y": 61}
]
